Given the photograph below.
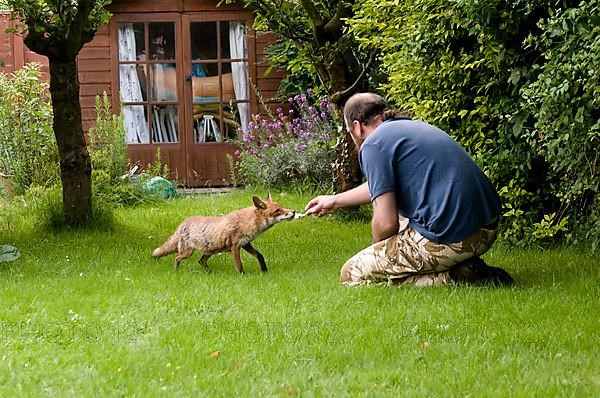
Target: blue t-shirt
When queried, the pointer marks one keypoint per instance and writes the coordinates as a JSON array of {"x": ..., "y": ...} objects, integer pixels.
[{"x": 438, "y": 187}]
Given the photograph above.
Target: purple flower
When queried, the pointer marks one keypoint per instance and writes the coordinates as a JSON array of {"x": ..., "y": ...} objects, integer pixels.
[{"x": 301, "y": 147}]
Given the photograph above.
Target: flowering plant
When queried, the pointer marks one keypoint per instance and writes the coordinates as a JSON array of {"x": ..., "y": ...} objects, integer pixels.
[{"x": 291, "y": 148}]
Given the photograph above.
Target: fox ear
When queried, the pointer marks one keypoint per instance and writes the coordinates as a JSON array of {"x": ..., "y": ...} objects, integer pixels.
[
  {"x": 259, "y": 204},
  {"x": 269, "y": 197}
]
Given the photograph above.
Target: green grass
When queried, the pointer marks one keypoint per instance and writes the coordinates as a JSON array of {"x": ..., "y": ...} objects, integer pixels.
[{"x": 92, "y": 314}]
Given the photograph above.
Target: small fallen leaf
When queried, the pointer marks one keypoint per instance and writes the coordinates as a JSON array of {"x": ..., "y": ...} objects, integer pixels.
[
  {"x": 240, "y": 365},
  {"x": 425, "y": 345},
  {"x": 214, "y": 355}
]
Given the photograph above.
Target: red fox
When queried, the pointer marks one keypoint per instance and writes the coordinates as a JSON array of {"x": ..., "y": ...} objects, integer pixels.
[{"x": 230, "y": 232}]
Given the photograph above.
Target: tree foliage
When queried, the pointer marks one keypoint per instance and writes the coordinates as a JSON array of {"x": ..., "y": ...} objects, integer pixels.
[{"x": 313, "y": 38}]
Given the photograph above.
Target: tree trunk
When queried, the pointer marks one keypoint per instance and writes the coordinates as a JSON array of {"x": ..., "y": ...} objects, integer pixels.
[
  {"x": 348, "y": 174},
  {"x": 75, "y": 164},
  {"x": 347, "y": 168}
]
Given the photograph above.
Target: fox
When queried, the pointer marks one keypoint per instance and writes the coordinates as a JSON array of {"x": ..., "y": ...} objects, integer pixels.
[{"x": 230, "y": 232}]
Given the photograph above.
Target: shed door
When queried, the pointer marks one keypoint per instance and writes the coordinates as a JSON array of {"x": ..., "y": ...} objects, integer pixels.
[
  {"x": 183, "y": 81},
  {"x": 149, "y": 61},
  {"x": 217, "y": 92}
]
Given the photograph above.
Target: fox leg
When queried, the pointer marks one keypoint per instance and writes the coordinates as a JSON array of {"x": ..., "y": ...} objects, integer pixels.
[
  {"x": 235, "y": 250},
  {"x": 261, "y": 260},
  {"x": 204, "y": 261},
  {"x": 182, "y": 255}
]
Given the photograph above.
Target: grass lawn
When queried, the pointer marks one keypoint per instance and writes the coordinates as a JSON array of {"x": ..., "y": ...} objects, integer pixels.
[{"x": 92, "y": 314}]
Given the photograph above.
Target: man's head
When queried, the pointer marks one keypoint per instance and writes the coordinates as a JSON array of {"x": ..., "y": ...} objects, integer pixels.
[{"x": 362, "y": 113}]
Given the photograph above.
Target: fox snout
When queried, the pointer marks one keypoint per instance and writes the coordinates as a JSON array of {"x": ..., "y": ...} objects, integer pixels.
[{"x": 287, "y": 216}]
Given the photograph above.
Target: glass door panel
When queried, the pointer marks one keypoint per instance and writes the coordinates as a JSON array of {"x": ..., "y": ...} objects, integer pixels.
[
  {"x": 148, "y": 81},
  {"x": 220, "y": 99}
]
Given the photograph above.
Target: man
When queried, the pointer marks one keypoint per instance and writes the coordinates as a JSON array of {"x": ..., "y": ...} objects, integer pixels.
[{"x": 434, "y": 211}]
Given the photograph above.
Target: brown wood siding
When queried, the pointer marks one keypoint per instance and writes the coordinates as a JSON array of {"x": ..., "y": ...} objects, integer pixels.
[
  {"x": 268, "y": 85},
  {"x": 94, "y": 66},
  {"x": 13, "y": 51}
]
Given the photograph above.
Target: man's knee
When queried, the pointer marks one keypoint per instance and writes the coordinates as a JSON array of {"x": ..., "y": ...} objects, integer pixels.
[
  {"x": 363, "y": 265},
  {"x": 345, "y": 275}
]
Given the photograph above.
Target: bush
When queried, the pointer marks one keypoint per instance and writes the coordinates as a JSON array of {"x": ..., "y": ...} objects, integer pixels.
[
  {"x": 515, "y": 83},
  {"x": 108, "y": 151},
  {"x": 28, "y": 152},
  {"x": 108, "y": 147},
  {"x": 563, "y": 105},
  {"x": 293, "y": 149}
]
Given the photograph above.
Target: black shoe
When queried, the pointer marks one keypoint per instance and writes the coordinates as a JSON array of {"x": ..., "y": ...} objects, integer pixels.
[{"x": 476, "y": 271}]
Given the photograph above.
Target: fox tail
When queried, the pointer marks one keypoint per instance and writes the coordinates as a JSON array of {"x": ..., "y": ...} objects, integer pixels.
[{"x": 170, "y": 246}]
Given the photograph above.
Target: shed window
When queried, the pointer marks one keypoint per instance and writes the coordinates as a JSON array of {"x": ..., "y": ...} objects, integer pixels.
[{"x": 148, "y": 84}]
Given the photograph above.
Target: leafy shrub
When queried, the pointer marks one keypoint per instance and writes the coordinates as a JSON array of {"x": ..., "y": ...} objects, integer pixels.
[
  {"x": 156, "y": 168},
  {"x": 28, "y": 152},
  {"x": 563, "y": 104},
  {"x": 291, "y": 149},
  {"x": 515, "y": 83},
  {"x": 107, "y": 145},
  {"x": 108, "y": 152}
]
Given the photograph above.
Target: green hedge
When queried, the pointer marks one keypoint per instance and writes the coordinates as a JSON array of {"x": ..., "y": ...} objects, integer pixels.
[{"x": 516, "y": 83}]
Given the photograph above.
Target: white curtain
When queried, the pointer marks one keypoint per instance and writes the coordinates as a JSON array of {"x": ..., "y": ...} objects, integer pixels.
[
  {"x": 237, "y": 44},
  {"x": 136, "y": 124}
]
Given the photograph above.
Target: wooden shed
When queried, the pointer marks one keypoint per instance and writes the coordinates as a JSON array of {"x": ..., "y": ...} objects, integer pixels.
[{"x": 186, "y": 75}]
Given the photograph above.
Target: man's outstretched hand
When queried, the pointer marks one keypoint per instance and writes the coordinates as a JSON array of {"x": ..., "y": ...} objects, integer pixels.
[{"x": 321, "y": 206}]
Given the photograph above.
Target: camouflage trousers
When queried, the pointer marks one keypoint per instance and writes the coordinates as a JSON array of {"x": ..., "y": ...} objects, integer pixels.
[{"x": 408, "y": 258}]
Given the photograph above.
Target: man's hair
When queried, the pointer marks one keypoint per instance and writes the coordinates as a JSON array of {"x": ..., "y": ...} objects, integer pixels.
[{"x": 365, "y": 107}]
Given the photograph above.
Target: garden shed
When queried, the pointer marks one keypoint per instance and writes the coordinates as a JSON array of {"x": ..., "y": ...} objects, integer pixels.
[{"x": 185, "y": 73}]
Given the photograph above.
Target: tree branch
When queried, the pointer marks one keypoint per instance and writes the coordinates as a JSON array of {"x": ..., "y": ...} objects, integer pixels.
[
  {"x": 334, "y": 25},
  {"x": 340, "y": 96},
  {"x": 80, "y": 24},
  {"x": 313, "y": 13}
]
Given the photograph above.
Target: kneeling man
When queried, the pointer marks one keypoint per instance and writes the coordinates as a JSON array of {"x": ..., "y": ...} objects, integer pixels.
[{"x": 434, "y": 211}]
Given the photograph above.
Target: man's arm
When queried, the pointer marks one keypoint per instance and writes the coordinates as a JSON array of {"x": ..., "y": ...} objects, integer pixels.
[
  {"x": 385, "y": 217},
  {"x": 326, "y": 204}
]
